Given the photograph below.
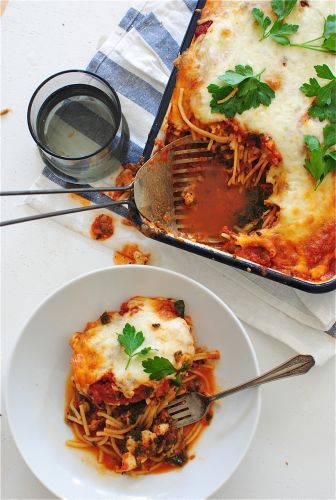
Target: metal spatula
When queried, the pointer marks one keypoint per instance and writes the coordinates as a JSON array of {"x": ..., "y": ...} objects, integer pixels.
[{"x": 156, "y": 190}]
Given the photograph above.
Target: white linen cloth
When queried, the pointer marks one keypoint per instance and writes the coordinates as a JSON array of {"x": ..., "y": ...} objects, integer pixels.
[{"x": 137, "y": 60}]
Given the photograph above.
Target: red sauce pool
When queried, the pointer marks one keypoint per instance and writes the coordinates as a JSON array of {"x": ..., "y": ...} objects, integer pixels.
[{"x": 216, "y": 205}]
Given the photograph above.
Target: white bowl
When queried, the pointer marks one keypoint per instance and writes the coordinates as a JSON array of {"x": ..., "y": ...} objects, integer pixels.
[{"x": 40, "y": 366}]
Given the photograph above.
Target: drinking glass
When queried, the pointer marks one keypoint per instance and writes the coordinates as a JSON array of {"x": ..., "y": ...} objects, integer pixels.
[{"x": 76, "y": 121}]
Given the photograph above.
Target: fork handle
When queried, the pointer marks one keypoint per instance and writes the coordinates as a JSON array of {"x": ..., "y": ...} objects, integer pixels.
[{"x": 295, "y": 366}]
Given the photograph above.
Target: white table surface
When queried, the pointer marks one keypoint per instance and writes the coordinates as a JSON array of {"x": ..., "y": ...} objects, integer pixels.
[{"x": 293, "y": 452}]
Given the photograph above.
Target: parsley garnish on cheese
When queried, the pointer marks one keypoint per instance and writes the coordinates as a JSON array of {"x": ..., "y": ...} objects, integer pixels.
[
  {"x": 240, "y": 90},
  {"x": 159, "y": 368},
  {"x": 280, "y": 32},
  {"x": 131, "y": 340},
  {"x": 324, "y": 105},
  {"x": 321, "y": 158}
]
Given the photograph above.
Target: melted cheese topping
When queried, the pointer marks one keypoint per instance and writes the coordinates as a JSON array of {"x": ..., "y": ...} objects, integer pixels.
[
  {"x": 97, "y": 351},
  {"x": 232, "y": 39}
]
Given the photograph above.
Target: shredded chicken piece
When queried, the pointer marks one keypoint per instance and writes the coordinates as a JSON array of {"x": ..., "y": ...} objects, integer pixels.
[
  {"x": 128, "y": 462},
  {"x": 188, "y": 198},
  {"x": 131, "y": 254},
  {"x": 147, "y": 437}
]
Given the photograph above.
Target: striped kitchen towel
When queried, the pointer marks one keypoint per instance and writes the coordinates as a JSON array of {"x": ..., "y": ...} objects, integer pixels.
[{"x": 137, "y": 60}]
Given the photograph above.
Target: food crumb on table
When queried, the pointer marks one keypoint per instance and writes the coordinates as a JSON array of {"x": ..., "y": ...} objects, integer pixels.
[
  {"x": 5, "y": 111},
  {"x": 102, "y": 227},
  {"x": 130, "y": 254},
  {"x": 80, "y": 199}
]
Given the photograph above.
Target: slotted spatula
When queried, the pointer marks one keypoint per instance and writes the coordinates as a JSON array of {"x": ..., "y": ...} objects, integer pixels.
[{"x": 152, "y": 191}]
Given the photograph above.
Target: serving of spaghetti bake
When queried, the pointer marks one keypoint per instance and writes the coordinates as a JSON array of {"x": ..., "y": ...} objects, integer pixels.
[
  {"x": 126, "y": 368},
  {"x": 258, "y": 84}
]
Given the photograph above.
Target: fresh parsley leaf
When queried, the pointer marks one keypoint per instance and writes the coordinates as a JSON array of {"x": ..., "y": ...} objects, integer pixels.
[
  {"x": 329, "y": 135},
  {"x": 158, "y": 367},
  {"x": 312, "y": 88},
  {"x": 264, "y": 21},
  {"x": 329, "y": 33},
  {"x": 283, "y": 8},
  {"x": 330, "y": 43},
  {"x": 315, "y": 165},
  {"x": 180, "y": 308},
  {"x": 324, "y": 106},
  {"x": 323, "y": 71},
  {"x": 329, "y": 26},
  {"x": 325, "y": 94},
  {"x": 323, "y": 112},
  {"x": 246, "y": 88},
  {"x": 184, "y": 367},
  {"x": 145, "y": 351},
  {"x": 237, "y": 76},
  {"x": 321, "y": 160},
  {"x": 312, "y": 142},
  {"x": 131, "y": 340},
  {"x": 280, "y": 32}
]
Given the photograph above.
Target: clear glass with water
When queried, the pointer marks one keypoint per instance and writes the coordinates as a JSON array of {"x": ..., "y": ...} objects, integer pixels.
[{"x": 75, "y": 118}]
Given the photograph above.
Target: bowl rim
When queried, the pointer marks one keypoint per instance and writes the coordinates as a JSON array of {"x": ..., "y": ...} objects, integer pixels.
[{"x": 101, "y": 270}]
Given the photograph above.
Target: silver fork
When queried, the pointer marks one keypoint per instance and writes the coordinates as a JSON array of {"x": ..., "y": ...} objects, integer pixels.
[{"x": 192, "y": 406}]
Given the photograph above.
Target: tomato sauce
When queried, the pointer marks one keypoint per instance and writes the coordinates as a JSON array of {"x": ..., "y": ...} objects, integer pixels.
[
  {"x": 322, "y": 245},
  {"x": 256, "y": 253},
  {"x": 165, "y": 309},
  {"x": 216, "y": 204},
  {"x": 106, "y": 391},
  {"x": 201, "y": 29}
]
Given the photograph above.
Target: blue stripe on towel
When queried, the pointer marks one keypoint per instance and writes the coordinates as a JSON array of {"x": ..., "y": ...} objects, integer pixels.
[
  {"x": 127, "y": 21},
  {"x": 126, "y": 83},
  {"x": 191, "y": 4},
  {"x": 134, "y": 152},
  {"x": 154, "y": 33},
  {"x": 158, "y": 38}
]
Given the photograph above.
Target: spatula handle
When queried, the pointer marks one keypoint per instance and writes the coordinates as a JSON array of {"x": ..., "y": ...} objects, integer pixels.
[
  {"x": 68, "y": 190},
  {"x": 64, "y": 212}
]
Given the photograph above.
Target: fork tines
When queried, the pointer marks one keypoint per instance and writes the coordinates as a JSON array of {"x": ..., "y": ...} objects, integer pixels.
[{"x": 180, "y": 412}]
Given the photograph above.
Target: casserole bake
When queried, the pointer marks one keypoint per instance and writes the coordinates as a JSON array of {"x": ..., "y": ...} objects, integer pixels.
[{"x": 283, "y": 221}]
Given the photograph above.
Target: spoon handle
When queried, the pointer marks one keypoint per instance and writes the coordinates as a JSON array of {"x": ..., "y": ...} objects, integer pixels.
[{"x": 297, "y": 365}]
